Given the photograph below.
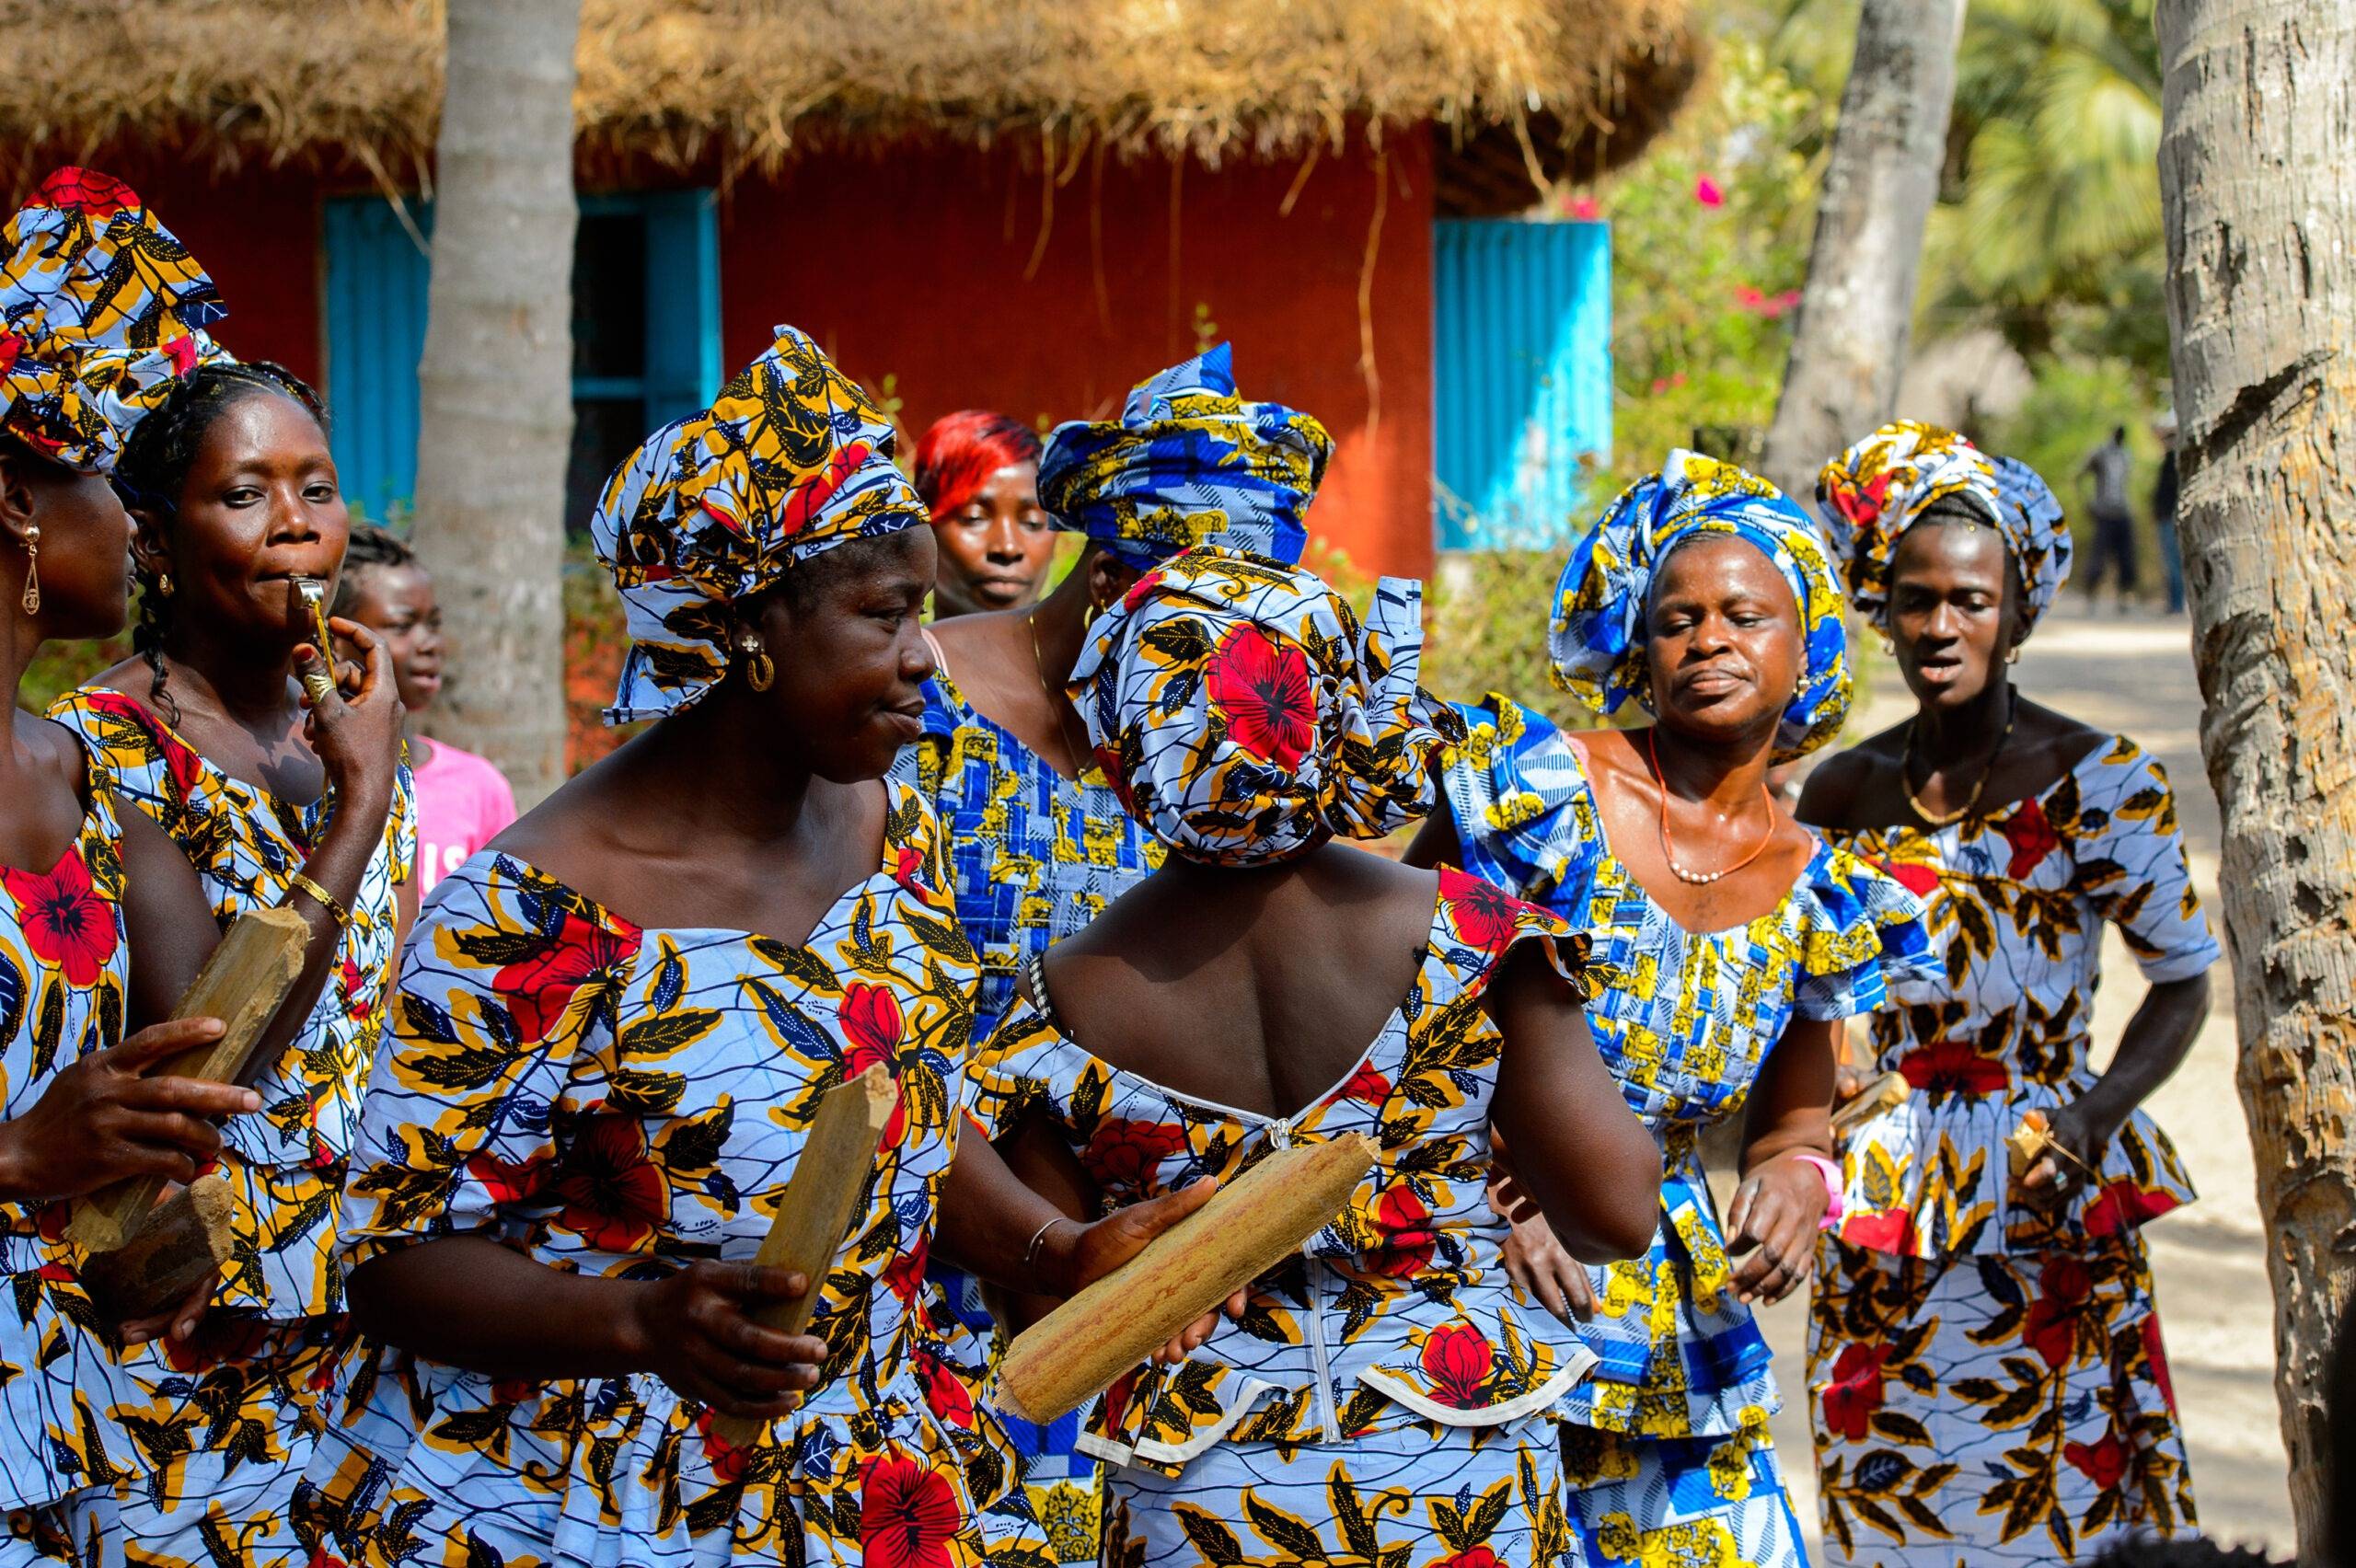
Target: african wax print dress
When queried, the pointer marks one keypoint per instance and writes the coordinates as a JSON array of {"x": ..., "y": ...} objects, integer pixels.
[
  {"x": 1383, "y": 1398},
  {"x": 1988, "y": 1377},
  {"x": 237, "y": 1408},
  {"x": 1034, "y": 857},
  {"x": 63, "y": 970},
  {"x": 1666, "y": 1448},
  {"x": 619, "y": 1102}
]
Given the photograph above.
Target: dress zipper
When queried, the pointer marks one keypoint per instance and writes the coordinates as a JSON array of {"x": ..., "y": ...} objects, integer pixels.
[{"x": 1313, "y": 1274}]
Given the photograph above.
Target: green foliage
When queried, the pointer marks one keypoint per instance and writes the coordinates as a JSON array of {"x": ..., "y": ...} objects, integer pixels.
[{"x": 2070, "y": 410}]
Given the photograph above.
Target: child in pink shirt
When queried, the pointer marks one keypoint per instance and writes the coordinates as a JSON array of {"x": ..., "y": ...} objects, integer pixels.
[{"x": 462, "y": 800}]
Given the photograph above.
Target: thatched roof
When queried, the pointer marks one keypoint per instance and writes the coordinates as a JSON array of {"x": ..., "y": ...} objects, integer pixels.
[{"x": 1561, "y": 84}]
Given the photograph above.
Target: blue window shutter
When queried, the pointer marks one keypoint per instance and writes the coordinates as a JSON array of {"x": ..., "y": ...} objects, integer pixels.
[
  {"x": 682, "y": 303},
  {"x": 375, "y": 335},
  {"x": 1521, "y": 377}
]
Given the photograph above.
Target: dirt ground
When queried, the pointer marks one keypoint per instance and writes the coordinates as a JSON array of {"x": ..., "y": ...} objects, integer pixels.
[{"x": 2134, "y": 674}]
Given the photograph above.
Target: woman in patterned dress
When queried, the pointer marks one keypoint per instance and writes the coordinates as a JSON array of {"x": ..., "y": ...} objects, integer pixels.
[
  {"x": 614, "y": 1026},
  {"x": 1984, "y": 1351},
  {"x": 1729, "y": 940},
  {"x": 1039, "y": 843},
  {"x": 1381, "y": 1397},
  {"x": 84, "y": 885},
  {"x": 208, "y": 733}
]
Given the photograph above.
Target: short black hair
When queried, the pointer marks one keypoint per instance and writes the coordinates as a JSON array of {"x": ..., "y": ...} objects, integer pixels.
[
  {"x": 2182, "y": 1552},
  {"x": 2119, "y": 432},
  {"x": 371, "y": 548}
]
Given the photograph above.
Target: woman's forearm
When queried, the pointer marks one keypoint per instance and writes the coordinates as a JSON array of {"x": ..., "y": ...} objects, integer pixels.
[
  {"x": 467, "y": 1301},
  {"x": 2157, "y": 1040},
  {"x": 988, "y": 1219}
]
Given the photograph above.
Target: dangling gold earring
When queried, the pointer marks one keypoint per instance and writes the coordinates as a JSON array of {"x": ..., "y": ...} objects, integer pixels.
[
  {"x": 1887, "y": 645},
  {"x": 31, "y": 598},
  {"x": 164, "y": 584},
  {"x": 2013, "y": 654},
  {"x": 759, "y": 668}
]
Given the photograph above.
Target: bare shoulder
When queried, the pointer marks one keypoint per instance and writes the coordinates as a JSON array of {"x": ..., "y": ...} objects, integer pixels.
[
  {"x": 1835, "y": 787},
  {"x": 2055, "y": 742}
]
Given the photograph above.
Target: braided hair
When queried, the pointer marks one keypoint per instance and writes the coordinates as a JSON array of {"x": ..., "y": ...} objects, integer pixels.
[
  {"x": 153, "y": 469},
  {"x": 371, "y": 548}
]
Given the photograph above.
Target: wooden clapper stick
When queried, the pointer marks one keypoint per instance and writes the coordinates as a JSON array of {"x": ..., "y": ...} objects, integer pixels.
[
  {"x": 1249, "y": 1225},
  {"x": 243, "y": 985},
  {"x": 817, "y": 1207}
]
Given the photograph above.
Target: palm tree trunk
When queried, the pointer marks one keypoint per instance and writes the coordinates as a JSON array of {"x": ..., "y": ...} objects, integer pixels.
[
  {"x": 2256, "y": 154},
  {"x": 1880, "y": 181},
  {"x": 495, "y": 384}
]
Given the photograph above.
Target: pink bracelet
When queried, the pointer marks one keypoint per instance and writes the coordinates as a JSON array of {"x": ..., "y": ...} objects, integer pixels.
[{"x": 1835, "y": 1203}]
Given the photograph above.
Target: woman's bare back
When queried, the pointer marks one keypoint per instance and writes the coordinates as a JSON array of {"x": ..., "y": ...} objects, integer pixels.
[{"x": 1255, "y": 989}]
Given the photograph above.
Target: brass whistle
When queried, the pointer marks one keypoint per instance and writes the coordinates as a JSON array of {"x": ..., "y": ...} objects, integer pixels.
[{"x": 319, "y": 683}]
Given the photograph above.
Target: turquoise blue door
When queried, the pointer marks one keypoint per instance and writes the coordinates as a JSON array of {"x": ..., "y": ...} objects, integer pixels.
[
  {"x": 645, "y": 335},
  {"x": 1521, "y": 378}
]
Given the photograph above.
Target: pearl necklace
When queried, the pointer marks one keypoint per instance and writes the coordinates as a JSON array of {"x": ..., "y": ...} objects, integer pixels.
[{"x": 1668, "y": 850}]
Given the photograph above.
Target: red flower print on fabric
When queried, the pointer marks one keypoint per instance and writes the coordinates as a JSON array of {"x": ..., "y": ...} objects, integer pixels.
[
  {"x": 2158, "y": 1357},
  {"x": 612, "y": 1193},
  {"x": 1366, "y": 1084},
  {"x": 944, "y": 1394},
  {"x": 1952, "y": 1066},
  {"x": 1124, "y": 1155},
  {"x": 1918, "y": 880},
  {"x": 1264, "y": 690},
  {"x": 804, "y": 502},
  {"x": 1407, "y": 1235},
  {"x": 1478, "y": 1557},
  {"x": 1458, "y": 1358},
  {"x": 1891, "y": 1230},
  {"x": 2102, "y": 1463},
  {"x": 2052, "y": 1326},
  {"x": 2123, "y": 1203},
  {"x": 908, "y": 1515},
  {"x": 1485, "y": 916},
  {"x": 1862, "y": 503},
  {"x": 1854, "y": 1393},
  {"x": 85, "y": 189},
  {"x": 2031, "y": 836},
  {"x": 870, "y": 1017},
  {"x": 509, "y": 1182},
  {"x": 538, "y": 990},
  {"x": 66, "y": 924}
]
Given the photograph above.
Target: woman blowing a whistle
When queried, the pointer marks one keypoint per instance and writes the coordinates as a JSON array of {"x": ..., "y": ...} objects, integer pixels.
[
  {"x": 614, "y": 1026},
  {"x": 1382, "y": 1393}
]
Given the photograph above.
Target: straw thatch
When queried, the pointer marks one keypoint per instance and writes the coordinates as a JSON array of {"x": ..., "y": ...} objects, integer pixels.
[{"x": 1542, "y": 85}]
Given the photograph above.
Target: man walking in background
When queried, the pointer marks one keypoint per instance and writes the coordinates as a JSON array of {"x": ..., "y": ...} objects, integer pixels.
[{"x": 2114, "y": 540}]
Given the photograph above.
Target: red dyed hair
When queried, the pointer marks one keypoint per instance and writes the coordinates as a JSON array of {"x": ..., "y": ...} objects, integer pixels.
[{"x": 960, "y": 452}]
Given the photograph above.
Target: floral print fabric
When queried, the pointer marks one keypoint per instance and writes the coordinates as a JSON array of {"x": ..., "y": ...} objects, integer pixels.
[
  {"x": 1393, "y": 1333},
  {"x": 1997, "y": 1408},
  {"x": 2018, "y": 898},
  {"x": 286, "y": 1162},
  {"x": 617, "y": 1101},
  {"x": 792, "y": 459},
  {"x": 101, "y": 311},
  {"x": 1872, "y": 493},
  {"x": 64, "y": 967},
  {"x": 1597, "y": 635},
  {"x": 1189, "y": 463},
  {"x": 1670, "y": 1502},
  {"x": 1244, "y": 715}
]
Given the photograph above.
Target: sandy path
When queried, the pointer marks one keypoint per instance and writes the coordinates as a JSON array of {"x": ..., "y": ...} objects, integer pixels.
[{"x": 2135, "y": 675}]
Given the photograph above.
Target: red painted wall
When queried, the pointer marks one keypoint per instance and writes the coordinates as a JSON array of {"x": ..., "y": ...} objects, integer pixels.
[
  {"x": 917, "y": 263},
  {"x": 913, "y": 264}
]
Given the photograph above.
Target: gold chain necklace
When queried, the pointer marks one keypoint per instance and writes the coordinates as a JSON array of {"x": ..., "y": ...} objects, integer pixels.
[
  {"x": 1906, "y": 767},
  {"x": 1065, "y": 712}
]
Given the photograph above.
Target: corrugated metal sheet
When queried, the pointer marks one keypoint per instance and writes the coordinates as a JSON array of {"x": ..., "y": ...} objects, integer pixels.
[
  {"x": 376, "y": 334},
  {"x": 1521, "y": 378}
]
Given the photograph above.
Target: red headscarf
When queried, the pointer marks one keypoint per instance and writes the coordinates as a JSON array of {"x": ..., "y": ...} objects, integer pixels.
[{"x": 960, "y": 452}]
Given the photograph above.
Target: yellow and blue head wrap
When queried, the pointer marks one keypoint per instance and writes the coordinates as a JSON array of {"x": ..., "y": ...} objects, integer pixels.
[
  {"x": 1870, "y": 495},
  {"x": 1244, "y": 715},
  {"x": 1187, "y": 462},
  {"x": 1597, "y": 637},
  {"x": 793, "y": 459},
  {"x": 101, "y": 310}
]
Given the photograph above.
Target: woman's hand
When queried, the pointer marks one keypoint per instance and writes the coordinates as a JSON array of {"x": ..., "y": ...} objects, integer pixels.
[
  {"x": 1536, "y": 1261},
  {"x": 2080, "y": 1133},
  {"x": 1075, "y": 1256},
  {"x": 1771, "y": 1228},
  {"x": 99, "y": 1121},
  {"x": 179, "y": 1320},
  {"x": 356, "y": 732},
  {"x": 694, "y": 1331}
]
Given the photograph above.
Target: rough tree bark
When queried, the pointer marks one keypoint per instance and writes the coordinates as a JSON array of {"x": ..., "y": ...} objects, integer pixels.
[
  {"x": 2257, "y": 181},
  {"x": 1883, "y": 174},
  {"x": 495, "y": 382}
]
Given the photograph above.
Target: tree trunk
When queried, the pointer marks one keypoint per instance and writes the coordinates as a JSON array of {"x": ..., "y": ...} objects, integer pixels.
[
  {"x": 1849, "y": 343},
  {"x": 495, "y": 424},
  {"x": 2257, "y": 181}
]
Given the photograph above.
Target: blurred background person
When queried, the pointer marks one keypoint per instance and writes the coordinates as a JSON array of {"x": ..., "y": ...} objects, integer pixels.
[
  {"x": 2102, "y": 479},
  {"x": 462, "y": 800},
  {"x": 978, "y": 473}
]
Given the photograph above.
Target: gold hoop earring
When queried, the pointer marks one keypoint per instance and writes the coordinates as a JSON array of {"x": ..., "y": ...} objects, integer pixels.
[
  {"x": 2013, "y": 654},
  {"x": 30, "y": 599},
  {"x": 164, "y": 584},
  {"x": 760, "y": 670}
]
